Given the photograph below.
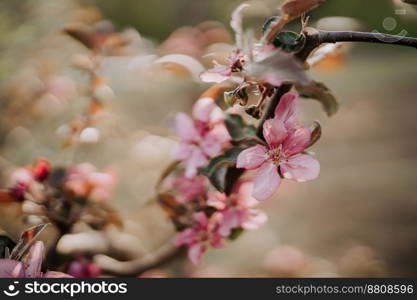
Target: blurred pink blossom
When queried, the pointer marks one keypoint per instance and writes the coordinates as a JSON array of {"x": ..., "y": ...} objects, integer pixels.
[
  {"x": 21, "y": 179},
  {"x": 81, "y": 267},
  {"x": 236, "y": 62},
  {"x": 85, "y": 181},
  {"x": 30, "y": 267},
  {"x": 236, "y": 211},
  {"x": 200, "y": 237},
  {"x": 188, "y": 189},
  {"x": 201, "y": 137}
]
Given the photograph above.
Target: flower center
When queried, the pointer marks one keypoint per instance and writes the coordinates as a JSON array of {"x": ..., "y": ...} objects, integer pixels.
[{"x": 275, "y": 155}]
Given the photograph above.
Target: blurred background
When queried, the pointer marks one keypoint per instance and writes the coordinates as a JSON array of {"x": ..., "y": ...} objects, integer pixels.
[{"x": 358, "y": 219}]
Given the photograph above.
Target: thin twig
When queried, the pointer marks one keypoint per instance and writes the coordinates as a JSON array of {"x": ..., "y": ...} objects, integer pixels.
[
  {"x": 166, "y": 252},
  {"x": 315, "y": 38}
]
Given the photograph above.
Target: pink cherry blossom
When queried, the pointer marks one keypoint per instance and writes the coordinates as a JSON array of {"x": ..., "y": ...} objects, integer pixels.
[
  {"x": 201, "y": 137},
  {"x": 236, "y": 62},
  {"x": 30, "y": 267},
  {"x": 200, "y": 237},
  {"x": 81, "y": 267},
  {"x": 85, "y": 181},
  {"x": 282, "y": 154},
  {"x": 187, "y": 189},
  {"x": 22, "y": 179},
  {"x": 21, "y": 182},
  {"x": 236, "y": 211}
]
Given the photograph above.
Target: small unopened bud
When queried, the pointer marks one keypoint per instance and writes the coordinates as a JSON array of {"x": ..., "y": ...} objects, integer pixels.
[
  {"x": 103, "y": 93},
  {"x": 89, "y": 135},
  {"x": 82, "y": 61},
  {"x": 41, "y": 169}
]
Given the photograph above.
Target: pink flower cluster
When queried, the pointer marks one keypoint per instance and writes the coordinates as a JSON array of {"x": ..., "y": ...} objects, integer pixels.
[
  {"x": 283, "y": 156},
  {"x": 30, "y": 267},
  {"x": 85, "y": 181},
  {"x": 202, "y": 137},
  {"x": 216, "y": 216},
  {"x": 210, "y": 230}
]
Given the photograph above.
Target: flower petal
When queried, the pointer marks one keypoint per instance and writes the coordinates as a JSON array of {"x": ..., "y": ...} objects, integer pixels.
[
  {"x": 301, "y": 168},
  {"x": 188, "y": 189},
  {"x": 220, "y": 132},
  {"x": 296, "y": 141},
  {"x": 287, "y": 109},
  {"x": 266, "y": 182},
  {"x": 195, "y": 253},
  {"x": 254, "y": 219},
  {"x": 251, "y": 158},
  {"x": 201, "y": 219},
  {"x": 236, "y": 23},
  {"x": 217, "y": 74},
  {"x": 11, "y": 269},
  {"x": 243, "y": 189},
  {"x": 272, "y": 79},
  {"x": 203, "y": 108},
  {"x": 34, "y": 259},
  {"x": 217, "y": 200},
  {"x": 229, "y": 221},
  {"x": 185, "y": 128},
  {"x": 211, "y": 145},
  {"x": 186, "y": 237},
  {"x": 274, "y": 132},
  {"x": 54, "y": 274},
  {"x": 196, "y": 160},
  {"x": 182, "y": 151}
]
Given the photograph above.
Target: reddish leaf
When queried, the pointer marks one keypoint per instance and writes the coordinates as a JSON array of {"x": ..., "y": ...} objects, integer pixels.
[{"x": 296, "y": 8}]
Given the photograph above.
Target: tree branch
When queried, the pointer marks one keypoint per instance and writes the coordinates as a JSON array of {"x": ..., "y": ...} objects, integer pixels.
[{"x": 315, "y": 38}]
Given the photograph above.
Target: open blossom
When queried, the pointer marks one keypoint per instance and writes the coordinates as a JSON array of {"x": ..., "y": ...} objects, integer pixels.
[
  {"x": 237, "y": 67},
  {"x": 201, "y": 137},
  {"x": 200, "y": 237},
  {"x": 236, "y": 62},
  {"x": 30, "y": 267},
  {"x": 255, "y": 62},
  {"x": 236, "y": 211},
  {"x": 85, "y": 181},
  {"x": 283, "y": 152}
]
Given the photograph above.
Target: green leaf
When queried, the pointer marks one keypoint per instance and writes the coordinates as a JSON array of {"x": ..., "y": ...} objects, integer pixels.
[
  {"x": 237, "y": 127},
  {"x": 317, "y": 90},
  {"x": 289, "y": 41},
  {"x": 236, "y": 233},
  {"x": 221, "y": 170}
]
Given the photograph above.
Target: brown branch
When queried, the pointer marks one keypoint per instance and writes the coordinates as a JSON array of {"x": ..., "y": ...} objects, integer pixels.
[
  {"x": 163, "y": 254},
  {"x": 273, "y": 102},
  {"x": 315, "y": 38}
]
